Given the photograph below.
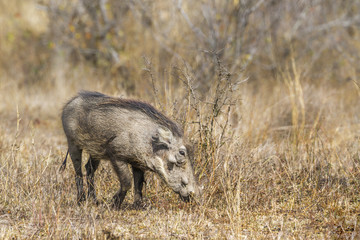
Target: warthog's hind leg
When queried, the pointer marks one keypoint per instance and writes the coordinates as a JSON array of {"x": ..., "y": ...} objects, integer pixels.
[
  {"x": 123, "y": 172},
  {"x": 75, "y": 154},
  {"x": 91, "y": 167}
]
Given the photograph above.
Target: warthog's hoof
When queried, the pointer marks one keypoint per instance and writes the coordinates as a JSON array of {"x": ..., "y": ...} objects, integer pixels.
[
  {"x": 80, "y": 199},
  {"x": 117, "y": 201},
  {"x": 139, "y": 205},
  {"x": 185, "y": 199}
]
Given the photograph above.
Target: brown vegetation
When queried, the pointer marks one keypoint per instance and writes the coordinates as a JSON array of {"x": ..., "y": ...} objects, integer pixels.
[{"x": 267, "y": 91}]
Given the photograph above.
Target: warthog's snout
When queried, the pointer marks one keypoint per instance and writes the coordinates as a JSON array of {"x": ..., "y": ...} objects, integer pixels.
[{"x": 188, "y": 193}]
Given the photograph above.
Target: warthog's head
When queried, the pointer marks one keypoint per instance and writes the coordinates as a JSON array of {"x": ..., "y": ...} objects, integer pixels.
[{"x": 174, "y": 164}]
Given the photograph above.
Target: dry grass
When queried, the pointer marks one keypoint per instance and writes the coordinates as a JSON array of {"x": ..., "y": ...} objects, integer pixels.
[
  {"x": 267, "y": 179},
  {"x": 278, "y": 159}
]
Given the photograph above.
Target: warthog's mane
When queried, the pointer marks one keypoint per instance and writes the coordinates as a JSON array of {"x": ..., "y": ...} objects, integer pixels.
[{"x": 130, "y": 104}]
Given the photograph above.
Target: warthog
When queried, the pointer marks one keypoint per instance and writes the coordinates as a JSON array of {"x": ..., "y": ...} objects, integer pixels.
[{"x": 126, "y": 132}]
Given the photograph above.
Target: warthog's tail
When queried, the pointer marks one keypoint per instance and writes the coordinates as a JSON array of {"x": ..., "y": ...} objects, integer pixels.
[{"x": 63, "y": 165}]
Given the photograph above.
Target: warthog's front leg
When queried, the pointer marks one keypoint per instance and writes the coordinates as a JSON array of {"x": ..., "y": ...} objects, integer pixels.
[
  {"x": 91, "y": 167},
  {"x": 123, "y": 172},
  {"x": 75, "y": 154},
  {"x": 138, "y": 186}
]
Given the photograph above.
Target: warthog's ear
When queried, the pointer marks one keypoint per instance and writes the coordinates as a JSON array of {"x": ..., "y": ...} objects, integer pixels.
[
  {"x": 165, "y": 135},
  {"x": 161, "y": 139}
]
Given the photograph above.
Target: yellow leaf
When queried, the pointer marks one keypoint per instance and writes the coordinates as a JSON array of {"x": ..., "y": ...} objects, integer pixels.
[
  {"x": 10, "y": 37},
  {"x": 72, "y": 28},
  {"x": 51, "y": 45}
]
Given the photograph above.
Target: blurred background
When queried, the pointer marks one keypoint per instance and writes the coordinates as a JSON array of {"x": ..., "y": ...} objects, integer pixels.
[
  {"x": 111, "y": 44},
  {"x": 166, "y": 52}
]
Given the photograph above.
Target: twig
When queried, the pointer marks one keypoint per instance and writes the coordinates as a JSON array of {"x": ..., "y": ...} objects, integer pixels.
[{"x": 149, "y": 69}]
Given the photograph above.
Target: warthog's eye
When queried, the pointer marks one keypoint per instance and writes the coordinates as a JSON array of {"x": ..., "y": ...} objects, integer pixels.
[{"x": 182, "y": 152}]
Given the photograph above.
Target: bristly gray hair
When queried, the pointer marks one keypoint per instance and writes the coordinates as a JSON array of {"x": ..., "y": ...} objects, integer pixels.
[{"x": 138, "y": 106}]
